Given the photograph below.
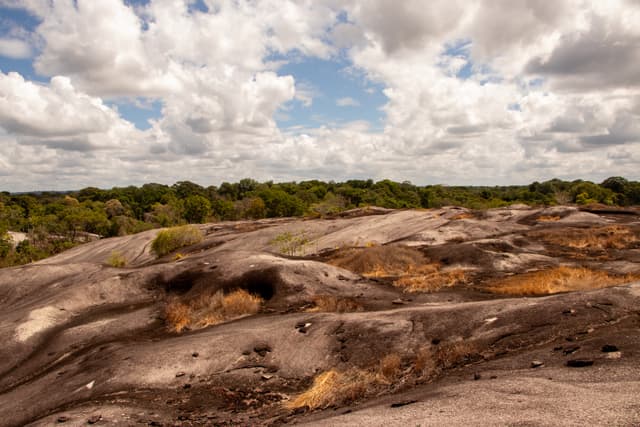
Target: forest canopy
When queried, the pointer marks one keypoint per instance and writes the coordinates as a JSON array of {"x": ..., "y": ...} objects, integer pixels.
[{"x": 52, "y": 222}]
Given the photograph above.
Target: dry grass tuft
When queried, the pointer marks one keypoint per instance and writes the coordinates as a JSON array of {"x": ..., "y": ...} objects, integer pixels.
[
  {"x": 378, "y": 261},
  {"x": 390, "y": 366},
  {"x": 464, "y": 215},
  {"x": 332, "y": 304},
  {"x": 607, "y": 237},
  {"x": 424, "y": 363},
  {"x": 333, "y": 388},
  {"x": 451, "y": 354},
  {"x": 406, "y": 265},
  {"x": 560, "y": 279},
  {"x": 548, "y": 218},
  {"x": 431, "y": 280},
  {"x": 210, "y": 309},
  {"x": 177, "y": 315}
]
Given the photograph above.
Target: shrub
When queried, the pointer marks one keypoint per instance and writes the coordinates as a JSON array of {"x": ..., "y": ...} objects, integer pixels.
[
  {"x": 291, "y": 243},
  {"x": 175, "y": 238},
  {"x": 116, "y": 259}
]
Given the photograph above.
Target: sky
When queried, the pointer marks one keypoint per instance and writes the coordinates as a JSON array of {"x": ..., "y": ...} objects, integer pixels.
[{"x": 123, "y": 92}]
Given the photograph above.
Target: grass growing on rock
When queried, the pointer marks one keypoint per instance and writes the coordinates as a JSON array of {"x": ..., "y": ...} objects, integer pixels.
[
  {"x": 333, "y": 304},
  {"x": 376, "y": 261},
  {"x": 210, "y": 309},
  {"x": 559, "y": 279},
  {"x": 607, "y": 237},
  {"x": 116, "y": 259},
  {"x": 430, "y": 279},
  {"x": 174, "y": 238},
  {"x": 408, "y": 267},
  {"x": 336, "y": 387}
]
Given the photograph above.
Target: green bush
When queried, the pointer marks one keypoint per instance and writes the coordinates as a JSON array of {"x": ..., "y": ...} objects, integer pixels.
[
  {"x": 174, "y": 238},
  {"x": 116, "y": 259}
]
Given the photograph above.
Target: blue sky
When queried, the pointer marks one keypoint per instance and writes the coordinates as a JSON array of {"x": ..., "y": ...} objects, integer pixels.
[
  {"x": 328, "y": 82},
  {"x": 503, "y": 94}
]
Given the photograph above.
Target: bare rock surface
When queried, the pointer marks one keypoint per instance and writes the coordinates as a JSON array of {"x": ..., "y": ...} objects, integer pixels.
[{"x": 86, "y": 343}]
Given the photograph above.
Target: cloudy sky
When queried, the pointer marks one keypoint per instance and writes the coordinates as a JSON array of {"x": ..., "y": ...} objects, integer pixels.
[{"x": 120, "y": 92}]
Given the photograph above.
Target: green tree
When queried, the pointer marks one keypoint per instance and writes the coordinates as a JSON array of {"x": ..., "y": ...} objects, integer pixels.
[{"x": 196, "y": 209}]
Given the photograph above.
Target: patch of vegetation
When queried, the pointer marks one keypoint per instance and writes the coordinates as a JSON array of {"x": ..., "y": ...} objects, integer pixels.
[
  {"x": 548, "y": 218},
  {"x": 342, "y": 387},
  {"x": 174, "y": 238},
  {"x": 555, "y": 280},
  {"x": 606, "y": 237},
  {"x": 334, "y": 388},
  {"x": 291, "y": 244},
  {"x": 379, "y": 261},
  {"x": 333, "y": 304},
  {"x": 390, "y": 366},
  {"x": 116, "y": 259},
  {"x": 407, "y": 267},
  {"x": 430, "y": 278},
  {"x": 54, "y": 222},
  {"x": 210, "y": 309}
]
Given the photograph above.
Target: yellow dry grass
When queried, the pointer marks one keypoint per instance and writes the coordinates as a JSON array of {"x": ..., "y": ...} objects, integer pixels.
[
  {"x": 408, "y": 266},
  {"x": 333, "y": 304},
  {"x": 390, "y": 366},
  {"x": 334, "y": 388},
  {"x": 464, "y": 215},
  {"x": 607, "y": 237},
  {"x": 210, "y": 309},
  {"x": 431, "y": 279},
  {"x": 424, "y": 363},
  {"x": 548, "y": 218},
  {"x": 555, "y": 280},
  {"x": 450, "y": 354},
  {"x": 378, "y": 261}
]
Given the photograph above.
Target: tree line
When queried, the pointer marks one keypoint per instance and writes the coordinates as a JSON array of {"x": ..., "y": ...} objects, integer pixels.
[{"x": 54, "y": 222}]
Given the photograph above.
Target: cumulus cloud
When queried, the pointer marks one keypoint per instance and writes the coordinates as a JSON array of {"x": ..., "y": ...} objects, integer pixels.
[
  {"x": 477, "y": 92},
  {"x": 56, "y": 115},
  {"x": 14, "y": 48}
]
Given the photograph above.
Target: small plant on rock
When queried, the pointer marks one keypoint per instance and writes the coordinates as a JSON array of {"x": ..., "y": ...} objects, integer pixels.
[
  {"x": 291, "y": 244},
  {"x": 174, "y": 238},
  {"x": 116, "y": 259}
]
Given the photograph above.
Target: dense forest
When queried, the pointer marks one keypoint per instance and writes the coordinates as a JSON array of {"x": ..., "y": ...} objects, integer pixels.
[{"x": 53, "y": 222}]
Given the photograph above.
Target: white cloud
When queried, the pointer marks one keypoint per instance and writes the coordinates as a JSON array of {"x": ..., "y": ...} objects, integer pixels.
[
  {"x": 14, "y": 48},
  {"x": 57, "y": 115},
  {"x": 215, "y": 76},
  {"x": 347, "y": 102}
]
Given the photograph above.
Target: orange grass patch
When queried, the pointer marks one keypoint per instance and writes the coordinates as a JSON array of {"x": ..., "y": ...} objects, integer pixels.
[
  {"x": 334, "y": 388},
  {"x": 431, "y": 279},
  {"x": 332, "y": 304},
  {"x": 555, "y": 280},
  {"x": 548, "y": 218},
  {"x": 464, "y": 215},
  {"x": 409, "y": 267},
  {"x": 210, "y": 309},
  {"x": 607, "y": 237},
  {"x": 378, "y": 261}
]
